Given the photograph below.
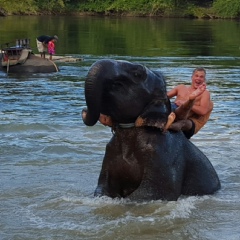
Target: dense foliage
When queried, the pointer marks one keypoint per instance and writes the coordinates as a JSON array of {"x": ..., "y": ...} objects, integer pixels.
[
  {"x": 164, "y": 8},
  {"x": 227, "y": 8}
]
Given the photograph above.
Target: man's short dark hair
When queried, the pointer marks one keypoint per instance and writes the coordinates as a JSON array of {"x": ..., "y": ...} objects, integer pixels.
[{"x": 199, "y": 69}]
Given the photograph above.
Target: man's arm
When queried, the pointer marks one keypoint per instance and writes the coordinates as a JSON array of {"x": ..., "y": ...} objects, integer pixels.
[
  {"x": 205, "y": 104},
  {"x": 172, "y": 93},
  {"x": 180, "y": 93}
]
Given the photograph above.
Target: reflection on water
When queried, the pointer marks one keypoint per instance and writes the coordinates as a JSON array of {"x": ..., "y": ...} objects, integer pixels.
[
  {"x": 101, "y": 36},
  {"x": 50, "y": 161}
]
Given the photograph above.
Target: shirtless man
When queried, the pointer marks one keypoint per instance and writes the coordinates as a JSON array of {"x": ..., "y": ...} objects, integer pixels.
[{"x": 192, "y": 106}]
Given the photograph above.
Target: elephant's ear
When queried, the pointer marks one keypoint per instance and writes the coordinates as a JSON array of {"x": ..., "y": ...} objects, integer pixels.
[{"x": 155, "y": 115}]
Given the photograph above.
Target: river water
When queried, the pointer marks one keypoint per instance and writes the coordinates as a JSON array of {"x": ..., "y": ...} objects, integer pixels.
[{"x": 50, "y": 161}]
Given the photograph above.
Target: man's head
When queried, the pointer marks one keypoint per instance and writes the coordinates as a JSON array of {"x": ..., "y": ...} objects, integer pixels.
[
  {"x": 199, "y": 69},
  {"x": 198, "y": 77}
]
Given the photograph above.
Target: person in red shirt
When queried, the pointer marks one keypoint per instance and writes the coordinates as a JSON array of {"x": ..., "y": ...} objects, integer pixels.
[
  {"x": 51, "y": 48},
  {"x": 42, "y": 43}
]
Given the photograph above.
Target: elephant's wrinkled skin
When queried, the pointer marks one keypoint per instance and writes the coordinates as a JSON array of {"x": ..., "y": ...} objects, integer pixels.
[
  {"x": 142, "y": 163},
  {"x": 33, "y": 64}
]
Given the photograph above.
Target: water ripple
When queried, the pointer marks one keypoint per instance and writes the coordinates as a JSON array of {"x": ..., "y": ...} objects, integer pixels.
[{"x": 50, "y": 161}]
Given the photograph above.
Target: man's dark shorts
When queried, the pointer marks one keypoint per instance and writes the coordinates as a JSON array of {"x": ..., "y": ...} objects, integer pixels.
[
  {"x": 188, "y": 134},
  {"x": 173, "y": 107}
]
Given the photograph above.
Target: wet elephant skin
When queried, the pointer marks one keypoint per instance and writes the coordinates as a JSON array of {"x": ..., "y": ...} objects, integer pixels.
[{"x": 142, "y": 163}]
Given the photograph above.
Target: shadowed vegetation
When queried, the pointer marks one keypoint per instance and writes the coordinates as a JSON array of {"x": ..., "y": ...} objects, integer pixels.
[{"x": 159, "y": 8}]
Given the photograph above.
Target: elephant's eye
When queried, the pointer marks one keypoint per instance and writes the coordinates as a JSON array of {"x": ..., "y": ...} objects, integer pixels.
[
  {"x": 136, "y": 74},
  {"x": 139, "y": 75}
]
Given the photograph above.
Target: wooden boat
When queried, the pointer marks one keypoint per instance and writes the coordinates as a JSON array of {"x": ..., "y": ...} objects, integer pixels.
[{"x": 20, "y": 59}]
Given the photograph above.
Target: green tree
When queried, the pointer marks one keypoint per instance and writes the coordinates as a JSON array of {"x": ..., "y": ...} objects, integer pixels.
[
  {"x": 18, "y": 7},
  {"x": 227, "y": 8},
  {"x": 50, "y": 6}
]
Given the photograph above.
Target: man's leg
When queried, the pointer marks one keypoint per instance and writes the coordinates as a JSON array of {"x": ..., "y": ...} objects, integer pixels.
[
  {"x": 181, "y": 125},
  {"x": 171, "y": 118},
  {"x": 182, "y": 111}
]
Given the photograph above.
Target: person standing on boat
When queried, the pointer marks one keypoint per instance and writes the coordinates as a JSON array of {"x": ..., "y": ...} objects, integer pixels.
[
  {"x": 42, "y": 43},
  {"x": 51, "y": 48}
]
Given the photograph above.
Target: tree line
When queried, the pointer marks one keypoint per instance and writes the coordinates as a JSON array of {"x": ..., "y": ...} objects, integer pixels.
[{"x": 158, "y": 8}]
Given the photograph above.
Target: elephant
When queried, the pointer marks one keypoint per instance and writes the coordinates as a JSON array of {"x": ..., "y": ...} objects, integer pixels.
[
  {"x": 32, "y": 64},
  {"x": 142, "y": 163}
]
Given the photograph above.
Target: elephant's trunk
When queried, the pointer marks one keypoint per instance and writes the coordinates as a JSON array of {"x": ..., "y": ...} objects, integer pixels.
[{"x": 93, "y": 90}]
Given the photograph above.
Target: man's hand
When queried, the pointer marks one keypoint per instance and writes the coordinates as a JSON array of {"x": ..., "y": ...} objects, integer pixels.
[
  {"x": 105, "y": 120},
  {"x": 179, "y": 102}
]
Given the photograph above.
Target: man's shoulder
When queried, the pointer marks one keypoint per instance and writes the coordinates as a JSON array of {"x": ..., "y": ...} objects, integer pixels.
[
  {"x": 206, "y": 94},
  {"x": 182, "y": 87}
]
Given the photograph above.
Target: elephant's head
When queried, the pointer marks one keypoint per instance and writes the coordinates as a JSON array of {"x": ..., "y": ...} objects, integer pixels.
[{"x": 126, "y": 92}]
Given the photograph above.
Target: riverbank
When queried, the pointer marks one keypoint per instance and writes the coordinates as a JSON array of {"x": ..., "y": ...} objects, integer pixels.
[
  {"x": 136, "y": 8},
  {"x": 203, "y": 14}
]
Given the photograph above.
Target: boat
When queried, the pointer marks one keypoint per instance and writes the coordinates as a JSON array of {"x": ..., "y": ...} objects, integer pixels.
[{"x": 19, "y": 58}]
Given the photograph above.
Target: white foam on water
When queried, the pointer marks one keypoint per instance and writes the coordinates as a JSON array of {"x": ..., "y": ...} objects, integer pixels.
[
  {"x": 96, "y": 201},
  {"x": 183, "y": 207}
]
